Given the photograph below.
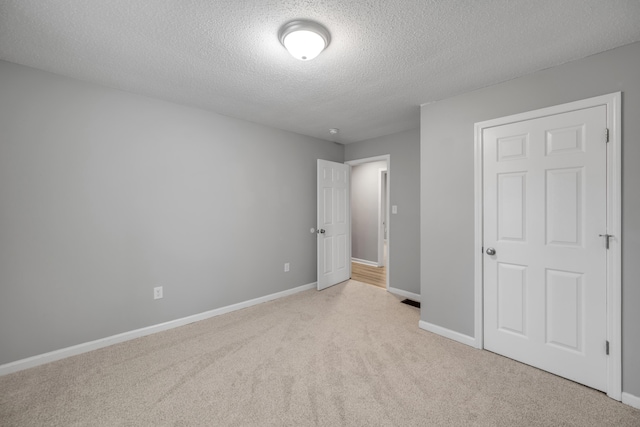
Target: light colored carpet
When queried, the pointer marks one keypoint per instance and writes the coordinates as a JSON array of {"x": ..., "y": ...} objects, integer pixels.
[{"x": 349, "y": 355}]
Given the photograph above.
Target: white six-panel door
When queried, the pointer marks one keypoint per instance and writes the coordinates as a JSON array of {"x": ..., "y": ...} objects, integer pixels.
[
  {"x": 334, "y": 228},
  {"x": 544, "y": 201}
]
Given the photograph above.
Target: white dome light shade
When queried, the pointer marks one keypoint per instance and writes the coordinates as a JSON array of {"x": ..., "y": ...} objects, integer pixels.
[
  {"x": 304, "y": 45},
  {"x": 304, "y": 39}
]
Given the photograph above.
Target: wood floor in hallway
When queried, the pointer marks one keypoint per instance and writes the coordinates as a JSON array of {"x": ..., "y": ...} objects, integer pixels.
[{"x": 371, "y": 275}]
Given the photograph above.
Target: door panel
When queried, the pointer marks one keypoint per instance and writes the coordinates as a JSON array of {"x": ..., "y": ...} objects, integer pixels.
[
  {"x": 564, "y": 224},
  {"x": 512, "y": 298},
  {"x": 512, "y": 188},
  {"x": 565, "y": 306},
  {"x": 544, "y": 191},
  {"x": 334, "y": 228}
]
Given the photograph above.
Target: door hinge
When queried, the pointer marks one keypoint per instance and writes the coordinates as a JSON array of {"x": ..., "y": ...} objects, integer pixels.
[
  {"x": 606, "y": 135},
  {"x": 607, "y": 348}
]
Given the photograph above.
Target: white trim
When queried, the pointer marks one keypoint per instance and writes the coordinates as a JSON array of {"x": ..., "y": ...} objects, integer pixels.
[
  {"x": 614, "y": 214},
  {"x": 387, "y": 158},
  {"x": 403, "y": 293},
  {"x": 614, "y": 254},
  {"x": 631, "y": 400},
  {"x": 381, "y": 191},
  {"x": 52, "y": 356},
  {"x": 388, "y": 217},
  {"x": 364, "y": 261},
  {"x": 478, "y": 241},
  {"x": 447, "y": 333},
  {"x": 356, "y": 162}
]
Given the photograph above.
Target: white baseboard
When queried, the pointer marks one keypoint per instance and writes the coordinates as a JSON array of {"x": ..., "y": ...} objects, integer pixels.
[
  {"x": 631, "y": 400},
  {"x": 52, "y": 356},
  {"x": 406, "y": 294},
  {"x": 365, "y": 262},
  {"x": 447, "y": 333}
]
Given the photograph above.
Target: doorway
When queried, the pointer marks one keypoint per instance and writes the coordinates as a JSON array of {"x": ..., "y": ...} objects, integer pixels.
[
  {"x": 370, "y": 179},
  {"x": 548, "y": 240}
]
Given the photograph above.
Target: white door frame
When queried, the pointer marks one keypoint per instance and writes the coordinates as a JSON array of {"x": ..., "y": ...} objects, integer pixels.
[
  {"x": 614, "y": 225},
  {"x": 384, "y": 158},
  {"x": 382, "y": 218}
]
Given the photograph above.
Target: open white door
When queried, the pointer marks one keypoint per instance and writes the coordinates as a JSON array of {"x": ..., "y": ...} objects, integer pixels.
[{"x": 334, "y": 227}]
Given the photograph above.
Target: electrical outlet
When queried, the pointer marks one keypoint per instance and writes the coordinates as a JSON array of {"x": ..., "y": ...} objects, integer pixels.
[
  {"x": 157, "y": 292},
  {"x": 286, "y": 267}
]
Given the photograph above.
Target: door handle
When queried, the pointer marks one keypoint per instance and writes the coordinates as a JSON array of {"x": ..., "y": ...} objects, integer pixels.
[
  {"x": 321, "y": 231},
  {"x": 491, "y": 251},
  {"x": 607, "y": 238}
]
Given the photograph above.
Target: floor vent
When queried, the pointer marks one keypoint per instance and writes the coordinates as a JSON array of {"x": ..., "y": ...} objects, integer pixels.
[{"x": 411, "y": 302}]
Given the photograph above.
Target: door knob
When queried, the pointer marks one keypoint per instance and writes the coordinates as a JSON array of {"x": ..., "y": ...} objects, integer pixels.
[
  {"x": 491, "y": 251},
  {"x": 607, "y": 239},
  {"x": 321, "y": 231}
]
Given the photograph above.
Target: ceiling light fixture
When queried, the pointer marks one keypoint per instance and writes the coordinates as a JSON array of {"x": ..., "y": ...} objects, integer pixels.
[{"x": 304, "y": 39}]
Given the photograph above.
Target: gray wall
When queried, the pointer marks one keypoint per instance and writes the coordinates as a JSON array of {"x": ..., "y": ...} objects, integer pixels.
[
  {"x": 447, "y": 210},
  {"x": 364, "y": 210},
  {"x": 404, "y": 188},
  {"x": 105, "y": 195}
]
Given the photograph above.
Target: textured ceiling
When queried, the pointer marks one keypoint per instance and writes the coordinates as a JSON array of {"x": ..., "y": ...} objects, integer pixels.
[{"x": 386, "y": 57}]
